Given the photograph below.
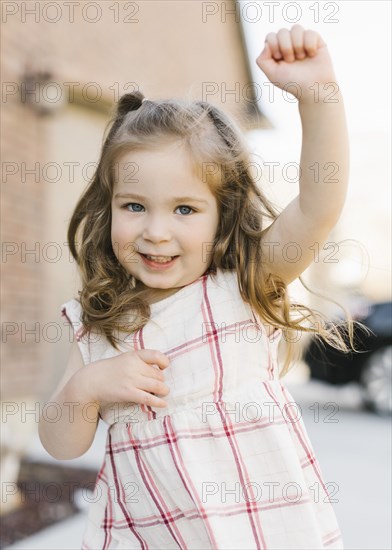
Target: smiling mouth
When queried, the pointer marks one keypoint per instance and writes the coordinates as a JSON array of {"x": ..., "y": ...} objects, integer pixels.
[{"x": 159, "y": 259}]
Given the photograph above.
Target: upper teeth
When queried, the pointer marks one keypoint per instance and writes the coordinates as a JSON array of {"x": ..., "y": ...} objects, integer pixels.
[{"x": 159, "y": 258}]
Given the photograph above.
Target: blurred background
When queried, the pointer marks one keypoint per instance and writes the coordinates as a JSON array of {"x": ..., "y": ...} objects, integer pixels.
[{"x": 64, "y": 66}]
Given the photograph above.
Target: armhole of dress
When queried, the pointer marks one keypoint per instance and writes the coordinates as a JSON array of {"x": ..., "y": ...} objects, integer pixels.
[
  {"x": 71, "y": 312},
  {"x": 275, "y": 337}
]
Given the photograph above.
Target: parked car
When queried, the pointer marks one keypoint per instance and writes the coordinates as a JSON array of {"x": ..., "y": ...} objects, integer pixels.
[{"x": 371, "y": 368}]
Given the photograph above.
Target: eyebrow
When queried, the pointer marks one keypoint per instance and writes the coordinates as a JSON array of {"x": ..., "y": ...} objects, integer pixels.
[{"x": 175, "y": 199}]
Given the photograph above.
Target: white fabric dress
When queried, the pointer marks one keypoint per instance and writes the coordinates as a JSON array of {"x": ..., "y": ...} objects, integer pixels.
[{"x": 228, "y": 463}]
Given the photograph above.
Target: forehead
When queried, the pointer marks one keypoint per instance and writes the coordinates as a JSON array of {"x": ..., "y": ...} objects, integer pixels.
[
  {"x": 170, "y": 165},
  {"x": 157, "y": 153}
]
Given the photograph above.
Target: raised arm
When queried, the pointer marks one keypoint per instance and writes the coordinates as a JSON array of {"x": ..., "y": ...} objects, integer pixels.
[{"x": 302, "y": 57}]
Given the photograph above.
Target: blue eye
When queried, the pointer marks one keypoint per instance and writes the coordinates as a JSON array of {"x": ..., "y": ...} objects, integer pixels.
[
  {"x": 128, "y": 204},
  {"x": 188, "y": 207}
]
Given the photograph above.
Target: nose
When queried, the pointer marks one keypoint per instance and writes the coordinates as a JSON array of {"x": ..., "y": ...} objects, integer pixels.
[{"x": 156, "y": 229}]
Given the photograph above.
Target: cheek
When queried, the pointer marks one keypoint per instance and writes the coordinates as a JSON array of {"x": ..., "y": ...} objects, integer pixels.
[
  {"x": 205, "y": 231},
  {"x": 118, "y": 227},
  {"x": 212, "y": 227},
  {"x": 118, "y": 237},
  {"x": 114, "y": 231}
]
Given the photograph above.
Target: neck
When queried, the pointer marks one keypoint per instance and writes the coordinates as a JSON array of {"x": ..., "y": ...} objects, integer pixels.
[{"x": 153, "y": 295}]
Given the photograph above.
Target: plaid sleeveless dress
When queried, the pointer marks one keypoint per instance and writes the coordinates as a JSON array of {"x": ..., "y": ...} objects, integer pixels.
[{"x": 228, "y": 463}]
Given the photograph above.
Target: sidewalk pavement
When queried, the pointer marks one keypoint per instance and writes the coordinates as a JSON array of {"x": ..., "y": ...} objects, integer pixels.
[
  {"x": 67, "y": 534},
  {"x": 63, "y": 535}
]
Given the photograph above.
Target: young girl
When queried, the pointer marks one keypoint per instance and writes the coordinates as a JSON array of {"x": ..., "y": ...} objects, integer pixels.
[{"x": 178, "y": 322}]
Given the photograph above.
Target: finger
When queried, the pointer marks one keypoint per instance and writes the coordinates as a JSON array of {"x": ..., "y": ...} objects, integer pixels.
[
  {"x": 154, "y": 357},
  {"x": 265, "y": 60},
  {"x": 152, "y": 371},
  {"x": 272, "y": 41},
  {"x": 297, "y": 39},
  {"x": 148, "y": 399},
  {"x": 320, "y": 42},
  {"x": 310, "y": 42},
  {"x": 285, "y": 45},
  {"x": 154, "y": 386},
  {"x": 265, "y": 54}
]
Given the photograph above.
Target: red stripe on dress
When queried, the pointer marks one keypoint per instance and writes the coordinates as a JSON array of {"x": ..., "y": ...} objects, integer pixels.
[
  {"x": 105, "y": 523},
  {"x": 216, "y": 358},
  {"x": 296, "y": 427},
  {"x": 244, "y": 476},
  {"x": 153, "y": 521},
  {"x": 270, "y": 367},
  {"x": 305, "y": 443},
  {"x": 332, "y": 537},
  {"x": 196, "y": 433},
  {"x": 107, "y": 528},
  {"x": 207, "y": 318},
  {"x": 206, "y": 337},
  {"x": 129, "y": 520},
  {"x": 155, "y": 494},
  {"x": 188, "y": 483},
  {"x": 228, "y": 510},
  {"x": 139, "y": 341}
]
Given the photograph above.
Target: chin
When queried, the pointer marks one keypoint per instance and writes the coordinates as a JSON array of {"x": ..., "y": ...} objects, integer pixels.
[{"x": 155, "y": 285}]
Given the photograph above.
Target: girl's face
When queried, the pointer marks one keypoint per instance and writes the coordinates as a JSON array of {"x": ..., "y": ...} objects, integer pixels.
[{"x": 161, "y": 208}]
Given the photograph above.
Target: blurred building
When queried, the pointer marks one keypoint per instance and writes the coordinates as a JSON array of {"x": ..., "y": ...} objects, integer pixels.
[{"x": 64, "y": 68}]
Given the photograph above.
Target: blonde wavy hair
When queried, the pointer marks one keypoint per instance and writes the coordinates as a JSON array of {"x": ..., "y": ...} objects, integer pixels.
[{"x": 109, "y": 294}]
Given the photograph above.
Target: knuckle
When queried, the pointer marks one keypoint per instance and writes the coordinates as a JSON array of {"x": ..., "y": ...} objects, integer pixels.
[
  {"x": 310, "y": 34},
  {"x": 159, "y": 356}
]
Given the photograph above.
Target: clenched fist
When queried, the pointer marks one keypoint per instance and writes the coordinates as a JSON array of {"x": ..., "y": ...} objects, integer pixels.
[{"x": 297, "y": 60}]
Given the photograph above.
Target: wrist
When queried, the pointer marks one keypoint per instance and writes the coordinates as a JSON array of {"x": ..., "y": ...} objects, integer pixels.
[
  {"x": 81, "y": 388},
  {"x": 320, "y": 94}
]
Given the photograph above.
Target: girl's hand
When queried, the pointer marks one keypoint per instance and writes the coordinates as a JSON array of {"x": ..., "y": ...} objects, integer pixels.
[
  {"x": 128, "y": 377},
  {"x": 298, "y": 59}
]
